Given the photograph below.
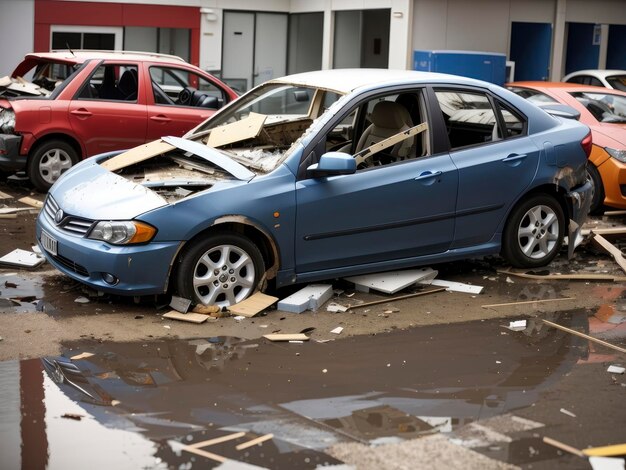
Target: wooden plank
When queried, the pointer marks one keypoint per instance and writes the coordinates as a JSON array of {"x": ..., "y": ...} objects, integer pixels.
[
  {"x": 614, "y": 213},
  {"x": 247, "y": 128},
  {"x": 364, "y": 154},
  {"x": 565, "y": 447},
  {"x": 5, "y": 196},
  {"x": 583, "y": 335},
  {"x": 31, "y": 201},
  {"x": 217, "y": 440},
  {"x": 528, "y": 302},
  {"x": 204, "y": 453},
  {"x": 84, "y": 355},
  {"x": 137, "y": 155},
  {"x": 188, "y": 317},
  {"x": 568, "y": 277},
  {"x": 8, "y": 216},
  {"x": 286, "y": 337},
  {"x": 606, "y": 451},
  {"x": 399, "y": 297},
  {"x": 253, "y": 305},
  {"x": 254, "y": 442},
  {"x": 611, "y": 249},
  {"x": 604, "y": 231}
]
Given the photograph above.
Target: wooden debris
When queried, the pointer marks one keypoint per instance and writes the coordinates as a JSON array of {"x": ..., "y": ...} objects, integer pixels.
[
  {"x": 615, "y": 252},
  {"x": 74, "y": 416},
  {"x": 217, "y": 440},
  {"x": 5, "y": 196},
  {"x": 254, "y": 442},
  {"x": 203, "y": 453},
  {"x": 11, "y": 210},
  {"x": 606, "y": 451},
  {"x": 31, "y": 201},
  {"x": 8, "y": 216},
  {"x": 253, "y": 305},
  {"x": 286, "y": 337},
  {"x": 399, "y": 297},
  {"x": 567, "y": 277},
  {"x": 583, "y": 335},
  {"x": 247, "y": 128},
  {"x": 609, "y": 213},
  {"x": 188, "y": 317},
  {"x": 528, "y": 302},
  {"x": 136, "y": 155},
  {"x": 84, "y": 355},
  {"x": 565, "y": 447}
]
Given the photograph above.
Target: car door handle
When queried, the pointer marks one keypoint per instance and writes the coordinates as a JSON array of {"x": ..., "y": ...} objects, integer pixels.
[
  {"x": 427, "y": 175},
  {"x": 82, "y": 112},
  {"x": 160, "y": 118},
  {"x": 514, "y": 157}
]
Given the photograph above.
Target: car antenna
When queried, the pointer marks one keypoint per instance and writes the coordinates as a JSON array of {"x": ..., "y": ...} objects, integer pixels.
[{"x": 67, "y": 44}]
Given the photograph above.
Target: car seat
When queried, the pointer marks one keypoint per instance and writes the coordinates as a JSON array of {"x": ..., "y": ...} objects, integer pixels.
[
  {"x": 127, "y": 85},
  {"x": 388, "y": 118}
]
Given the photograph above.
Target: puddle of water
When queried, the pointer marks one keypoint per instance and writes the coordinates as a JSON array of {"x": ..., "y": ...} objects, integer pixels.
[
  {"x": 19, "y": 292},
  {"x": 162, "y": 395}
]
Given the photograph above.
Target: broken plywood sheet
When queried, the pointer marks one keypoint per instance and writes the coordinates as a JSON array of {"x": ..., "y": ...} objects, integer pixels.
[
  {"x": 392, "y": 282},
  {"x": 5, "y": 196},
  {"x": 456, "y": 286},
  {"x": 188, "y": 317},
  {"x": 286, "y": 337},
  {"x": 21, "y": 258},
  {"x": 247, "y": 128},
  {"x": 31, "y": 201},
  {"x": 310, "y": 297},
  {"x": 611, "y": 249},
  {"x": 137, "y": 154},
  {"x": 253, "y": 305}
]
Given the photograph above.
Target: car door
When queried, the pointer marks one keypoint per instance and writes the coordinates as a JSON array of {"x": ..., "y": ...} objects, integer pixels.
[
  {"x": 496, "y": 160},
  {"x": 167, "y": 113},
  {"x": 109, "y": 112},
  {"x": 388, "y": 212}
]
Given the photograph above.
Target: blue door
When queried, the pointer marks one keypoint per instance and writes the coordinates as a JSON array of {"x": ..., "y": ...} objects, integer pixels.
[
  {"x": 583, "y": 47},
  {"x": 616, "y": 51},
  {"x": 530, "y": 50},
  {"x": 383, "y": 213}
]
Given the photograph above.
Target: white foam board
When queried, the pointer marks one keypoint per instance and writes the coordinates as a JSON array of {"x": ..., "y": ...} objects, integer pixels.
[
  {"x": 310, "y": 297},
  {"x": 393, "y": 281}
]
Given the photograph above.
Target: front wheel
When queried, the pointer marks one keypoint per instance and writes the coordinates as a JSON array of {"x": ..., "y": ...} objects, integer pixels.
[
  {"x": 222, "y": 269},
  {"x": 49, "y": 161},
  {"x": 534, "y": 232}
]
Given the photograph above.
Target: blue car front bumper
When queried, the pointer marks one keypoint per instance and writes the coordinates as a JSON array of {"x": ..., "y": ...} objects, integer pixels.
[{"x": 139, "y": 269}]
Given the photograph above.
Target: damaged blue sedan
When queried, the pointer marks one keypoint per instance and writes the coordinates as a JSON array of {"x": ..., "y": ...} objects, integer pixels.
[{"x": 321, "y": 175}]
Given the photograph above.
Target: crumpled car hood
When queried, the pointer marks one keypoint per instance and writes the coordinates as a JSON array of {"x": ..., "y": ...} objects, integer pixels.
[{"x": 92, "y": 192}]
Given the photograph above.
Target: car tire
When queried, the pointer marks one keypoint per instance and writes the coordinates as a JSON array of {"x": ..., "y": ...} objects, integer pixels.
[
  {"x": 534, "y": 232},
  {"x": 597, "y": 199},
  {"x": 221, "y": 269},
  {"x": 48, "y": 161}
]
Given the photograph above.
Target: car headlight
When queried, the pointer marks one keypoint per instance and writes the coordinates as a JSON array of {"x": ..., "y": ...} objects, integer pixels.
[
  {"x": 122, "y": 232},
  {"x": 7, "y": 121},
  {"x": 619, "y": 155}
]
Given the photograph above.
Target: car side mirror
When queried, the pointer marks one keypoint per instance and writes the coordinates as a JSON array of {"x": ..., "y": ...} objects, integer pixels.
[{"x": 333, "y": 164}]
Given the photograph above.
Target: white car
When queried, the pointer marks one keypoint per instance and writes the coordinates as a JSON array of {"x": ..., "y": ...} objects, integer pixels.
[{"x": 606, "y": 78}]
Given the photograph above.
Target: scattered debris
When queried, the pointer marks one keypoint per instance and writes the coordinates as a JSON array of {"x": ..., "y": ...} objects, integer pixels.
[
  {"x": 10, "y": 285},
  {"x": 606, "y": 451},
  {"x": 73, "y": 416},
  {"x": 564, "y": 447},
  {"x": 517, "y": 325},
  {"x": 528, "y": 302},
  {"x": 611, "y": 249},
  {"x": 253, "y": 305},
  {"x": 136, "y": 155},
  {"x": 254, "y": 442},
  {"x": 583, "y": 335},
  {"x": 310, "y": 297},
  {"x": 180, "y": 304},
  {"x": 8, "y": 216},
  {"x": 399, "y": 297},
  {"x": 31, "y": 201},
  {"x": 566, "y": 412},
  {"x": 206, "y": 309},
  {"x": 138, "y": 317},
  {"x": 337, "y": 330},
  {"x": 567, "y": 277},
  {"x": 392, "y": 282},
  {"x": 286, "y": 337},
  {"x": 335, "y": 308},
  {"x": 457, "y": 286},
  {"x": 81, "y": 300},
  {"x": 616, "y": 369},
  {"x": 84, "y": 355},
  {"x": 308, "y": 329},
  {"x": 606, "y": 463},
  {"x": 5, "y": 196},
  {"x": 239, "y": 318},
  {"x": 203, "y": 453},
  {"x": 217, "y": 440},
  {"x": 188, "y": 317},
  {"x": 21, "y": 258}
]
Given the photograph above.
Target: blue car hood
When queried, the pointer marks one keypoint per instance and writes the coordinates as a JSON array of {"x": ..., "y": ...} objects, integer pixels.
[{"x": 90, "y": 191}]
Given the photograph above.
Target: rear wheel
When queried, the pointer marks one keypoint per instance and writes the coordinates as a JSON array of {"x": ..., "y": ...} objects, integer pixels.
[
  {"x": 534, "y": 232},
  {"x": 597, "y": 196},
  {"x": 222, "y": 269},
  {"x": 49, "y": 161}
]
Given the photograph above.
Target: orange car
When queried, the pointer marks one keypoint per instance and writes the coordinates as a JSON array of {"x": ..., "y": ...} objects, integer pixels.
[{"x": 604, "y": 111}]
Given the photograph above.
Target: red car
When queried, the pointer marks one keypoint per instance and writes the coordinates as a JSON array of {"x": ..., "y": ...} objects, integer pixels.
[{"x": 81, "y": 103}]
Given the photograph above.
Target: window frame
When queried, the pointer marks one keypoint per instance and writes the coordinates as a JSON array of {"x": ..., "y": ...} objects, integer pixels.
[{"x": 103, "y": 63}]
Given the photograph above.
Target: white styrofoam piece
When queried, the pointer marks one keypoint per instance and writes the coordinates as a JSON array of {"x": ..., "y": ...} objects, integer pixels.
[
  {"x": 23, "y": 258},
  {"x": 392, "y": 282},
  {"x": 337, "y": 330},
  {"x": 310, "y": 297},
  {"x": 606, "y": 463},
  {"x": 616, "y": 370},
  {"x": 517, "y": 325},
  {"x": 457, "y": 286}
]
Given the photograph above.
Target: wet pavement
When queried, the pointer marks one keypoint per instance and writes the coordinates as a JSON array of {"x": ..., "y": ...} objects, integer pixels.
[{"x": 138, "y": 404}]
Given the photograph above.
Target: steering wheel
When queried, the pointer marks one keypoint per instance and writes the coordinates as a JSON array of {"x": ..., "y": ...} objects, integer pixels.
[{"x": 185, "y": 95}]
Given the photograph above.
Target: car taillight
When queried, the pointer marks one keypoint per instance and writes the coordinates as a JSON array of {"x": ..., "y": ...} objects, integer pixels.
[{"x": 586, "y": 144}]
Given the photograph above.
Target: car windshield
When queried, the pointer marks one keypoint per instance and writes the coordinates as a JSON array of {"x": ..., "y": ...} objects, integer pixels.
[
  {"x": 261, "y": 126},
  {"x": 605, "y": 107},
  {"x": 617, "y": 81}
]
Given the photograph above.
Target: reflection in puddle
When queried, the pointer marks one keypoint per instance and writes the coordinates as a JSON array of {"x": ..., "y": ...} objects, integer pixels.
[{"x": 161, "y": 396}]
